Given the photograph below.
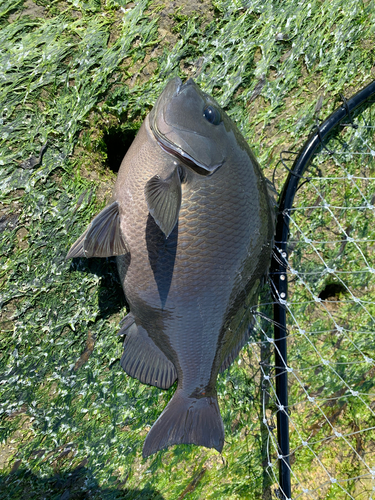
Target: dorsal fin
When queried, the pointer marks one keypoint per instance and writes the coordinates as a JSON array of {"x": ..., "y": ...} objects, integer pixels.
[
  {"x": 102, "y": 238},
  {"x": 163, "y": 199}
]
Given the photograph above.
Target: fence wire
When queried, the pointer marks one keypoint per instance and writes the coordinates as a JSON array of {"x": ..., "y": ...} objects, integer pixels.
[{"x": 330, "y": 310}]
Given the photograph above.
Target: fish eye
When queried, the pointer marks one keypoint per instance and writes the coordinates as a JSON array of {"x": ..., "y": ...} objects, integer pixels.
[{"x": 212, "y": 115}]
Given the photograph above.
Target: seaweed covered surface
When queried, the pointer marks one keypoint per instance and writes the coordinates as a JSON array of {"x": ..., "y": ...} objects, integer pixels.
[{"x": 76, "y": 80}]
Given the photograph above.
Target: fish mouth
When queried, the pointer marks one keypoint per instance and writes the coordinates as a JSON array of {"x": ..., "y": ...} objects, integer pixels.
[{"x": 182, "y": 86}]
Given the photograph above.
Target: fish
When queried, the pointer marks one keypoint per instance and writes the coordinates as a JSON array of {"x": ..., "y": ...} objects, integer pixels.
[{"x": 191, "y": 223}]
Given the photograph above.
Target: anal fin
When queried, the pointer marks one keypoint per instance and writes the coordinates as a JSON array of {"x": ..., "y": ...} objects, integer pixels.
[{"x": 142, "y": 359}]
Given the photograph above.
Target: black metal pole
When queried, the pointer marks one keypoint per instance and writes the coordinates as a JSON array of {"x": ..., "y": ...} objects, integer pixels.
[{"x": 280, "y": 281}]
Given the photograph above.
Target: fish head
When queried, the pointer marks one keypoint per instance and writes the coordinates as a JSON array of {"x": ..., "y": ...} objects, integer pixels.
[{"x": 190, "y": 125}]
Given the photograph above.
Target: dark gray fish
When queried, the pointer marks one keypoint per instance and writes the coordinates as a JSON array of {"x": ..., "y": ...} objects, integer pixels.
[{"x": 191, "y": 222}]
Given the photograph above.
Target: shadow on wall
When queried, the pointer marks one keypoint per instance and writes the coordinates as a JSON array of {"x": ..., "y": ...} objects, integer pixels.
[
  {"x": 76, "y": 485},
  {"x": 111, "y": 297}
]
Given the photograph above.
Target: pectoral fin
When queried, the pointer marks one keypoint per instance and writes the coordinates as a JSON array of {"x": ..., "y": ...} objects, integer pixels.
[
  {"x": 102, "y": 238},
  {"x": 163, "y": 199}
]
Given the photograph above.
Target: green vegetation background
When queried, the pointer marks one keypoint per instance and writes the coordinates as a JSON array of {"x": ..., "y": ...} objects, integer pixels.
[{"x": 81, "y": 76}]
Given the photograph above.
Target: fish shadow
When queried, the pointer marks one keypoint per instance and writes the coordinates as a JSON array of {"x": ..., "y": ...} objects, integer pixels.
[
  {"x": 78, "y": 484},
  {"x": 111, "y": 298},
  {"x": 161, "y": 255}
]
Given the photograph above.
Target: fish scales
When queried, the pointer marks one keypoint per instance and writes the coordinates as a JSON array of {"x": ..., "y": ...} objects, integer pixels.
[{"x": 193, "y": 237}]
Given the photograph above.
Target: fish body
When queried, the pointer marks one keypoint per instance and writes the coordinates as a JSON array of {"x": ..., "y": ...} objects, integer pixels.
[{"x": 191, "y": 223}]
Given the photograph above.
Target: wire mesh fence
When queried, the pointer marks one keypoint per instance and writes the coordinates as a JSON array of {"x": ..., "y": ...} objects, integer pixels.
[{"x": 326, "y": 350}]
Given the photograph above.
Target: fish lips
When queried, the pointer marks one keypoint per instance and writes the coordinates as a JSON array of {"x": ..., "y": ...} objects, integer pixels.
[{"x": 180, "y": 128}]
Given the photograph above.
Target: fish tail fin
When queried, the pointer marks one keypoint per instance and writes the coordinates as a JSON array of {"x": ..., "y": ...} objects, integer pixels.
[{"x": 186, "y": 421}]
